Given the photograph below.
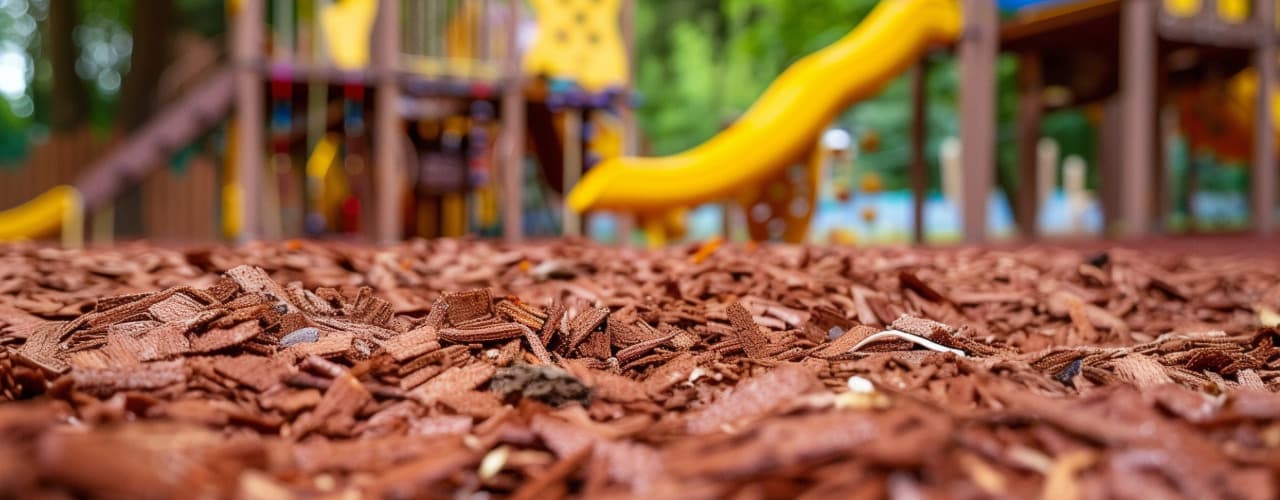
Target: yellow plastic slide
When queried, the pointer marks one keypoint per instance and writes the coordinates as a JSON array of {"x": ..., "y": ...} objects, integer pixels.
[
  {"x": 46, "y": 214},
  {"x": 783, "y": 124}
]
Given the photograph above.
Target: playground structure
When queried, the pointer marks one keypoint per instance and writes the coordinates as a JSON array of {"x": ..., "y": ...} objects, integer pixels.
[
  {"x": 378, "y": 117},
  {"x": 442, "y": 86},
  {"x": 1133, "y": 60},
  {"x": 1118, "y": 55},
  {"x": 773, "y": 184},
  {"x": 454, "y": 93}
]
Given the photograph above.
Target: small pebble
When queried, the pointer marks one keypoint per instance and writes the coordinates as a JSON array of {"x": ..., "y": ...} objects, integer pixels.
[
  {"x": 304, "y": 335},
  {"x": 861, "y": 385}
]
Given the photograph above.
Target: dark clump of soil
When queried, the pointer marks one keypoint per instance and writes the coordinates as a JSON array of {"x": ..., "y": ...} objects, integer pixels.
[{"x": 547, "y": 384}]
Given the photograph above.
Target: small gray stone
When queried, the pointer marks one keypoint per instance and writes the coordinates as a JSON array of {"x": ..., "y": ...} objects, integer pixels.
[{"x": 303, "y": 335}]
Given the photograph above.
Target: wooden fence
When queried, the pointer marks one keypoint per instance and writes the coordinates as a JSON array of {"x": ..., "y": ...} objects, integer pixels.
[
  {"x": 178, "y": 206},
  {"x": 58, "y": 160}
]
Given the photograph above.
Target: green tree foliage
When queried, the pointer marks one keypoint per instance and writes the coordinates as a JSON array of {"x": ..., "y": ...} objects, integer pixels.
[{"x": 103, "y": 36}]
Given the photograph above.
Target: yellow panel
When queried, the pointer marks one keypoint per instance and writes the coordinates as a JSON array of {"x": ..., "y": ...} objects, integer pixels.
[
  {"x": 232, "y": 195},
  {"x": 454, "y": 213},
  {"x": 1182, "y": 8},
  {"x": 1233, "y": 11},
  {"x": 322, "y": 157},
  {"x": 347, "y": 25},
  {"x": 579, "y": 40},
  {"x": 607, "y": 142},
  {"x": 459, "y": 33}
]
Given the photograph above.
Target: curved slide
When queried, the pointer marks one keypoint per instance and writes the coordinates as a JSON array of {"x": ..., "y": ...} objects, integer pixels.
[
  {"x": 783, "y": 124},
  {"x": 64, "y": 206},
  {"x": 44, "y": 214}
]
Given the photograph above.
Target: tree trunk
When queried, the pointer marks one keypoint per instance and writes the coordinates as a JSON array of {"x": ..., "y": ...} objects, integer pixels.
[
  {"x": 138, "y": 91},
  {"x": 70, "y": 107},
  {"x": 151, "y": 21}
]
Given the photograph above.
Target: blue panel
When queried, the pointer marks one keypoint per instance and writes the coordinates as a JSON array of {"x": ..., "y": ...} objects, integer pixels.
[{"x": 1018, "y": 4}]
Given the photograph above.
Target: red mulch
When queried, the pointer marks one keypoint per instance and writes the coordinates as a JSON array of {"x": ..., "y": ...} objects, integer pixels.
[{"x": 452, "y": 368}]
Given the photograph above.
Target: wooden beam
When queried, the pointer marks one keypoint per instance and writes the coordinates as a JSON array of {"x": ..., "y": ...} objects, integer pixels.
[
  {"x": 1264, "y": 158},
  {"x": 571, "y": 221},
  {"x": 919, "y": 169},
  {"x": 1110, "y": 147},
  {"x": 1027, "y": 199},
  {"x": 626, "y": 114},
  {"x": 387, "y": 160},
  {"x": 1137, "y": 89},
  {"x": 246, "y": 41},
  {"x": 511, "y": 161},
  {"x": 978, "y": 50},
  {"x": 1164, "y": 125}
]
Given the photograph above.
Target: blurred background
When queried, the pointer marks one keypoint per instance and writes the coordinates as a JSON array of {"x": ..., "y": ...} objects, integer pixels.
[{"x": 79, "y": 76}]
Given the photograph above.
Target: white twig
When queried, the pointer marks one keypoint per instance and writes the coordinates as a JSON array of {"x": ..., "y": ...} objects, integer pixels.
[{"x": 915, "y": 339}]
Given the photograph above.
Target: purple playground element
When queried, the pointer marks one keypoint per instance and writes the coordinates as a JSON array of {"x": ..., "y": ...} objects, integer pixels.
[
  {"x": 482, "y": 110},
  {"x": 556, "y": 101},
  {"x": 599, "y": 100},
  {"x": 314, "y": 223},
  {"x": 576, "y": 98}
]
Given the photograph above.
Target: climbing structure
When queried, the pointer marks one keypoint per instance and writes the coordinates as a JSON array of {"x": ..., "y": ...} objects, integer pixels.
[
  {"x": 382, "y": 117},
  {"x": 1131, "y": 60}
]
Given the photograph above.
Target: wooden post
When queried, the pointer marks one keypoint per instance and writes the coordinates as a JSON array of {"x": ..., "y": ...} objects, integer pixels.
[
  {"x": 511, "y": 163},
  {"x": 978, "y": 50},
  {"x": 1110, "y": 146},
  {"x": 246, "y": 41},
  {"x": 1047, "y": 153},
  {"x": 627, "y": 115},
  {"x": 572, "y": 140},
  {"x": 389, "y": 177},
  {"x": 919, "y": 170},
  {"x": 1028, "y": 198},
  {"x": 1165, "y": 125},
  {"x": 1264, "y": 157},
  {"x": 1137, "y": 89},
  {"x": 1073, "y": 173}
]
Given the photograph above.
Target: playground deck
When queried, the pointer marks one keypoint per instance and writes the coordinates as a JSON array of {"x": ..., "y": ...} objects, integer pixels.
[{"x": 568, "y": 368}]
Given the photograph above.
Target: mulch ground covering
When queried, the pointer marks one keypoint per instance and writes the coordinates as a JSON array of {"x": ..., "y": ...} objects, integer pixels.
[{"x": 459, "y": 368}]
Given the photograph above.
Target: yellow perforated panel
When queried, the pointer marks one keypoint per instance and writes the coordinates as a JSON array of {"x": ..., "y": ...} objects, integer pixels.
[
  {"x": 579, "y": 40},
  {"x": 346, "y": 26}
]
